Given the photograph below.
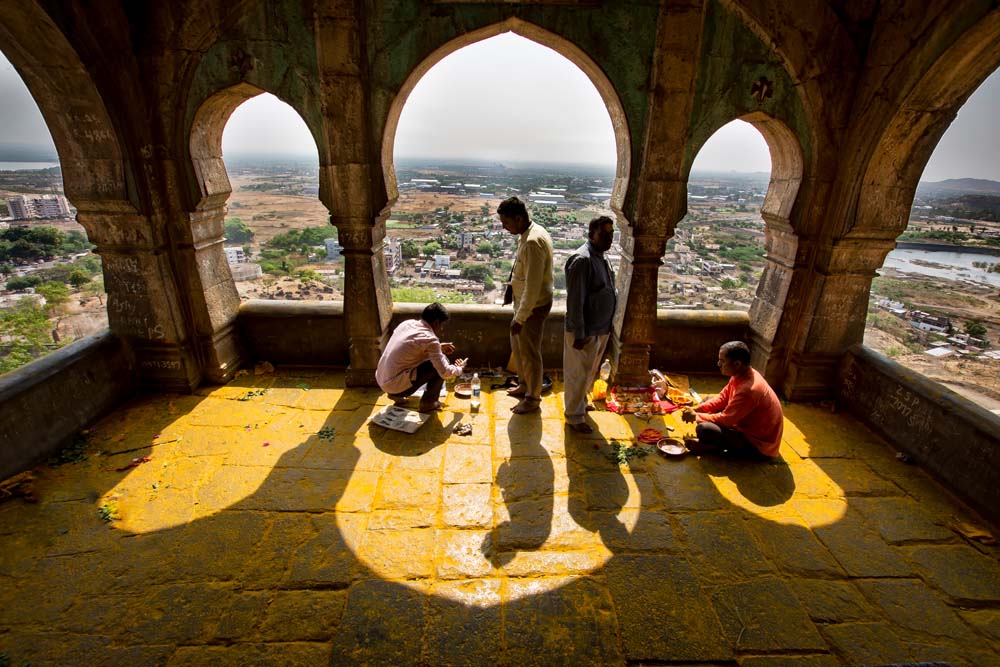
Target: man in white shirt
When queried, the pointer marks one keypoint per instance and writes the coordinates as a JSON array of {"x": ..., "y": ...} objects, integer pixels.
[
  {"x": 531, "y": 284},
  {"x": 414, "y": 356}
]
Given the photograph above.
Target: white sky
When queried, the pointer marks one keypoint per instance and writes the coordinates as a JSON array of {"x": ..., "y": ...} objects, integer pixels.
[{"x": 511, "y": 100}]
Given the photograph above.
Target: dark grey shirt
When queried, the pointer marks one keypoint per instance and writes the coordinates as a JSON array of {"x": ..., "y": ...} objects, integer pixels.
[{"x": 591, "y": 297}]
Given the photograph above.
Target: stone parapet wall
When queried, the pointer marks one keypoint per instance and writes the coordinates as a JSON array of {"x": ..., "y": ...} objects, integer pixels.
[
  {"x": 954, "y": 439},
  {"x": 285, "y": 332},
  {"x": 45, "y": 404}
]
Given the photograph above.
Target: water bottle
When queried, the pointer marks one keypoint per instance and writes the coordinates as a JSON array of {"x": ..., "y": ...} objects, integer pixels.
[
  {"x": 605, "y": 370},
  {"x": 475, "y": 392}
]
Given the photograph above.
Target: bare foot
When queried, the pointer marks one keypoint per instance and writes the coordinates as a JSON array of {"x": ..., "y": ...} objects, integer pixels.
[
  {"x": 517, "y": 392},
  {"x": 525, "y": 406},
  {"x": 430, "y": 407}
]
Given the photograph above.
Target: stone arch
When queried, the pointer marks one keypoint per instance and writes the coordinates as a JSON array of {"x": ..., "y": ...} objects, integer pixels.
[
  {"x": 217, "y": 301},
  {"x": 920, "y": 120},
  {"x": 537, "y": 34},
  {"x": 205, "y": 142},
  {"x": 89, "y": 152},
  {"x": 780, "y": 238}
]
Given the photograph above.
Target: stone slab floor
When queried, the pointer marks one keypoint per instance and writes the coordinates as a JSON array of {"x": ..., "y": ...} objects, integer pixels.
[{"x": 278, "y": 527}]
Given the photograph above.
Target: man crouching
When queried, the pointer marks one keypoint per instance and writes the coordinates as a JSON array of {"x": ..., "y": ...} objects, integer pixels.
[
  {"x": 415, "y": 356},
  {"x": 746, "y": 418}
]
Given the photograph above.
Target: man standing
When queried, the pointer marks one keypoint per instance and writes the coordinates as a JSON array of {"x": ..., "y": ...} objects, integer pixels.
[
  {"x": 531, "y": 284},
  {"x": 746, "y": 418},
  {"x": 414, "y": 356},
  {"x": 591, "y": 299}
]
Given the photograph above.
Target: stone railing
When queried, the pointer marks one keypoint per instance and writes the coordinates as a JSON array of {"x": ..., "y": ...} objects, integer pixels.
[
  {"x": 951, "y": 437},
  {"x": 44, "y": 404},
  {"x": 287, "y": 332}
]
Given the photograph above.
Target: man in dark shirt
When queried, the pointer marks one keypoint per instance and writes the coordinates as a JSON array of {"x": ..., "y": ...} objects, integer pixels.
[{"x": 591, "y": 299}]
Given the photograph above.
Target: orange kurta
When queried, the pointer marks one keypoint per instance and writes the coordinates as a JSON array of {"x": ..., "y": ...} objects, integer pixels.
[{"x": 749, "y": 405}]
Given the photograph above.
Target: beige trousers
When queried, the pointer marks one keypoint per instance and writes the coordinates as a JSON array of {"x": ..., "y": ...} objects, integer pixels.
[
  {"x": 579, "y": 371},
  {"x": 527, "y": 349}
]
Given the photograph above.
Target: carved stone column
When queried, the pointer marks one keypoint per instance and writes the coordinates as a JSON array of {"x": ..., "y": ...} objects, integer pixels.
[
  {"x": 367, "y": 299},
  {"x": 213, "y": 299},
  {"x": 143, "y": 303},
  {"x": 780, "y": 245},
  {"x": 833, "y": 314},
  {"x": 638, "y": 277}
]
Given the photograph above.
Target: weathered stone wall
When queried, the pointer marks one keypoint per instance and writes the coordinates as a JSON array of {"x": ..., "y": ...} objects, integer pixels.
[
  {"x": 44, "y": 404},
  {"x": 285, "y": 332},
  {"x": 953, "y": 438}
]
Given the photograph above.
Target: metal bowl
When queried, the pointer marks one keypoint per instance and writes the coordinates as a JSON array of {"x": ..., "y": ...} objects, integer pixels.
[
  {"x": 671, "y": 447},
  {"x": 463, "y": 390}
]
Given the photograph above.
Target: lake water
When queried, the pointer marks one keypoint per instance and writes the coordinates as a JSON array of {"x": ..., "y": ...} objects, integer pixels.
[
  {"x": 18, "y": 166},
  {"x": 949, "y": 265}
]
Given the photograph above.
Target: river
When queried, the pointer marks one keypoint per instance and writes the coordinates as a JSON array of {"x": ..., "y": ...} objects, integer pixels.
[{"x": 950, "y": 264}]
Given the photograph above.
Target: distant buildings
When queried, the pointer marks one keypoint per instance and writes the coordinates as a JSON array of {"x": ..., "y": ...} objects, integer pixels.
[
  {"x": 33, "y": 207},
  {"x": 927, "y": 322},
  {"x": 235, "y": 255},
  {"x": 333, "y": 249},
  {"x": 393, "y": 252},
  {"x": 240, "y": 265}
]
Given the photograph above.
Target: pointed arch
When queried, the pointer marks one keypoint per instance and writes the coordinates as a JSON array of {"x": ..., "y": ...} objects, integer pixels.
[
  {"x": 537, "y": 34},
  {"x": 89, "y": 152},
  {"x": 917, "y": 126}
]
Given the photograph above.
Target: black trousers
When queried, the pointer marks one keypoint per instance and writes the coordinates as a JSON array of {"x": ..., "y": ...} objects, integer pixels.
[
  {"x": 726, "y": 440},
  {"x": 426, "y": 374}
]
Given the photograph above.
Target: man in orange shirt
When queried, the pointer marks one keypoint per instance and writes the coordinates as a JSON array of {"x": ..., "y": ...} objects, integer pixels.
[{"x": 746, "y": 418}]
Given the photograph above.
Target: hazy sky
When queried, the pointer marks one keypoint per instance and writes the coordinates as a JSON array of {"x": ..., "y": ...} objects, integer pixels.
[{"x": 461, "y": 109}]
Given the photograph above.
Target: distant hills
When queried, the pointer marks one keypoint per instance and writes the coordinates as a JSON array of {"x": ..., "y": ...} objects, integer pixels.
[
  {"x": 27, "y": 153},
  {"x": 954, "y": 185}
]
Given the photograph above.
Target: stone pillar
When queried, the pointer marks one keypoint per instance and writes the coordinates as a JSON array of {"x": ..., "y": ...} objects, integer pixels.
[
  {"x": 213, "y": 299},
  {"x": 143, "y": 304},
  {"x": 346, "y": 189},
  {"x": 367, "y": 299},
  {"x": 661, "y": 205},
  {"x": 833, "y": 314},
  {"x": 780, "y": 245},
  {"x": 638, "y": 277}
]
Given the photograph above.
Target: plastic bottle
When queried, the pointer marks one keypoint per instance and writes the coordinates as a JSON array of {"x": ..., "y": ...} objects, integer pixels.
[
  {"x": 605, "y": 370},
  {"x": 475, "y": 392}
]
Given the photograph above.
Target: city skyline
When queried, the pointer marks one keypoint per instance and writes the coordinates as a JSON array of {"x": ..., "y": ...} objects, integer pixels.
[{"x": 564, "y": 119}]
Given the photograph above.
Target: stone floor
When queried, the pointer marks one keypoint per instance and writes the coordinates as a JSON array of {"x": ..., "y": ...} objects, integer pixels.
[{"x": 279, "y": 527}]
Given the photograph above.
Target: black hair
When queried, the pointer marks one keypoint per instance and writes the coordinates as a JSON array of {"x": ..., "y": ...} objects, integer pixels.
[
  {"x": 599, "y": 222},
  {"x": 434, "y": 313},
  {"x": 736, "y": 350},
  {"x": 513, "y": 207}
]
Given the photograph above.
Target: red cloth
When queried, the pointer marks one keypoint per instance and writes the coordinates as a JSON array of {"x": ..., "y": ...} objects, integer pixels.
[{"x": 749, "y": 405}]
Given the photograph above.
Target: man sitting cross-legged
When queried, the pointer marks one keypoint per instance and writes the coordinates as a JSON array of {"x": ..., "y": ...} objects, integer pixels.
[
  {"x": 414, "y": 356},
  {"x": 746, "y": 418}
]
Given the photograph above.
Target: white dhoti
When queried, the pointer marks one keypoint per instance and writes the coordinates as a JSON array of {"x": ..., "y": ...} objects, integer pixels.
[{"x": 579, "y": 372}]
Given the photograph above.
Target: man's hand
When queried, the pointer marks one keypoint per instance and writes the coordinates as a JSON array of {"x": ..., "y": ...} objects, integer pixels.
[
  {"x": 688, "y": 415},
  {"x": 448, "y": 348},
  {"x": 579, "y": 343},
  {"x": 461, "y": 362},
  {"x": 515, "y": 328}
]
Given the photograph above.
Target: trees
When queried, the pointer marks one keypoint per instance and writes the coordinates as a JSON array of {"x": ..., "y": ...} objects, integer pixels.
[
  {"x": 237, "y": 231},
  {"x": 409, "y": 249},
  {"x": 23, "y": 282},
  {"x": 25, "y": 328},
  {"x": 975, "y": 328},
  {"x": 478, "y": 272},
  {"x": 431, "y": 248},
  {"x": 56, "y": 295}
]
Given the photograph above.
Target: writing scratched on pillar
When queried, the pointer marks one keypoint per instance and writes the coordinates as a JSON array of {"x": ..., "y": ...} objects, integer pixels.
[{"x": 164, "y": 364}]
